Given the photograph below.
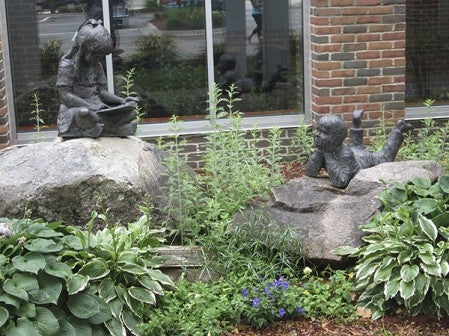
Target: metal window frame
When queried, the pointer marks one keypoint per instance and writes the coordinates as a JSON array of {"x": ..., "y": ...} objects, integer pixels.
[{"x": 163, "y": 129}]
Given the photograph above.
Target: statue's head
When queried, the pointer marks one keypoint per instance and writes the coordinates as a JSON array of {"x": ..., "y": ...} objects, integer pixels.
[
  {"x": 226, "y": 62},
  {"x": 94, "y": 40},
  {"x": 330, "y": 133}
]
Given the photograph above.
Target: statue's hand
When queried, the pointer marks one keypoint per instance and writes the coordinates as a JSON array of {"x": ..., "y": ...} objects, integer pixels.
[{"x": 132, "y": 99}]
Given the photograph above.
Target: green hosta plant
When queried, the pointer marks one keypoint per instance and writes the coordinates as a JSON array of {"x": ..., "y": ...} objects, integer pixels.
[
  {"x": 405, "y": 259},
  {"x": 61, "y": 280}
]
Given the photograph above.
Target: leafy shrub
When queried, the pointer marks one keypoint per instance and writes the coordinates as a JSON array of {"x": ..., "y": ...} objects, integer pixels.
[
  {"x": 156, "y": 50},
  {"x": 190, "y": 18},
  {"x": 195, "y": 309},
  {"x": 405, "y": 260},
  {"x": 50, "y": 53},
  {"x": 61, "y": 280},
  {"x": 152, "y": 5},
  {"x": 270, "y": 301}
]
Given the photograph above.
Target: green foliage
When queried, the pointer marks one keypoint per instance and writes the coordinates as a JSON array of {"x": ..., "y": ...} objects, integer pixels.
[
  {"x": 155, "y": 51},
  {"x": 51, "y": 53},
  {"x": 189, "y": 18},
  {"x": 36, "y": 113},
  {"x": 127, "y": 91},
  {"x": 431, "y": 142},
  {"x": 152, "y": 5},
  {"x": 303, "y": 142},
  {"x": 61, "y": 280},
  {"x": 270, "y": 301},
  {"x": 196, "y": 309},
  {"x": 234, "y": 172},
  {"x": 405, "y": 260}
]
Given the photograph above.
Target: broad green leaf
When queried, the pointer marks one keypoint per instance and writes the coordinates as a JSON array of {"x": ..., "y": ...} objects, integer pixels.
[
  {"x": 66, "y": 329},
  {"x": 427, "y": 258},
  {"x": 444, "y": 268},
  {"x": 104, "y": 313},
  {"x": 404, "y": 256},
  {"x": 4, "y": 315},
  {"x": 15, "y": 289},
  {"x": 46, "y": 322},
  {"x": 426, "y": 205},
  {"x": 365, "y": 271},
  {"x": 133, "y": 268},
  {"x": 116, "y": 307},
  {"x": 422, "y": 283},
  {"x": 26, "y": 280},
  {"x": 133, "y": 304},
  {"x": 106, "y": 290},
  {"x": 43, "y": 245},
  {"x": 99, "y": 330},
  {"x": 10, "y": 300},
  {"x": 83, "y": 305},
  {"x": 31, "y": 262},
  {"x": 409, "y": 272},
  {"x": 151, "y": 284},
  {"x": 95, "y": 269},
  {"x": 49, "y": 291},
  {"x": 161, "y": 277},
  {"x": 77, "y": 283},
  {"x": 407, "y": 289},
  {"x": 425, "y": 248},
  {"x": 421, "y": 182},
  {"x": 115, "y": 327},
  {"x": 443, "y": 183},
  {"x": 131, "y": 322},
  {"x": 73, "y": 242},
  {"x": 58, "y": 269},
  {"x": 391, "y": 288},
  {"x": 127, "y": 256},
  {"x": 382, "y": 274},
  {"x": 433, "y": 269},
  {"x": 428, "y": 227},
  {"x": 27, "y": 310},
  {"x": 23, "y": 328},
  {"x": 344, "y": 250},
  {"x": 440, "y": 220},
  {"x": 82, "y": 327},
  {"x": 142, "y": 295}
]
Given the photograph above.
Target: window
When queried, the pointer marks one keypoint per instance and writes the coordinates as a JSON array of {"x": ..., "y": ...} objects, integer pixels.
[
  {"x": 427, "y": 51},
  {"x": 163, "y": 43}
]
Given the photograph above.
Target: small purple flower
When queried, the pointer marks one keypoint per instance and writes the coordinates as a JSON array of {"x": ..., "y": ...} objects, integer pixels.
[
  {"x": 300, "y": 310},
  {"x": 281, "y": 312},
  {"x": 267, "y": 291},
  {"x": 245, "y": 292},
  {"x": 256, "y": 302}
]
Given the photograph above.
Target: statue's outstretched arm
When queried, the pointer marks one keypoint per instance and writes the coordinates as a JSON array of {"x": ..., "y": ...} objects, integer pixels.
[{"x": 316, "y": 162}]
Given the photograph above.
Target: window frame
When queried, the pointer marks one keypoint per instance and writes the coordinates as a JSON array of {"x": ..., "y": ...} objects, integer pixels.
[{"x": 150, "y": 130}]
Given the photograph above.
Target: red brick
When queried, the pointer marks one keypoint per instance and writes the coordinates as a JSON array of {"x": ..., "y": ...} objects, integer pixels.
[
  {"x": 325, "y": 48},
  {"x": 355, "y": 99},
  {"x": 319, "y": 21},
  {"x": 328, "y": 82},
  {"x": 319, "y": 3},
  {"x": 369, "y": 89},
  {"x": 380, "y": 80},
  {"x": 343, "y": 108},
  {"x": 363, "y": 55},
  {"x": 343, "y": 20},
  {"x": 380, "y": 63},
  {"x": 3, "y": 111},
  {"x": 321, "y": 73},
  {"x": 326, "y": 65},
  {"x": 394, "y": 36},
  {"x": 354, "y": 11},
  {"x": 342, "y": 38},
  {"x": 331, "y": 100},
  {"x": 380, "y": 45},
  {"x": 369, "y": 2},
  {"x": 344, "y": 91},
  {"x": 327, "y": 12},
  {"x": 393, "y": 88},
  {"x": 381, "y": 10},
  {"x": 380, "y": 28},
  {"x": 320, "y": 108},
  {"x": 341, "y": 3},
  {"x": 370, "y": 106},
  {"x": 399, "y": 79},
  {"x": 399, "y": 44},
  {"x": 393, "y": 53},
  {"x": 368, "y": 37},
  {"x": 343, "y": 73},
  {"x": 399, "y": 62},
  {"x": 326, "y": 30},
  {"x": 369, "y": 19}
]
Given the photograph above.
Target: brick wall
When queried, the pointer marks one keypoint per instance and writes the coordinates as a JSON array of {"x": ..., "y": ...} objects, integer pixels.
[
  {"x": 358, "y": 58},
  {"x": 5, "y": 138}
]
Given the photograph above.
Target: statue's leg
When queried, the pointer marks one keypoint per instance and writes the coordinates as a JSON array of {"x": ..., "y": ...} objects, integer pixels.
[
  {"x": 78, "y": 122},
  {"x": 394, "y": 141}
]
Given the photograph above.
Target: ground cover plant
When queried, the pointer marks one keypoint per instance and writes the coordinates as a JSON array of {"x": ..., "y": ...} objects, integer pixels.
[{"x": 61, "y": 280}]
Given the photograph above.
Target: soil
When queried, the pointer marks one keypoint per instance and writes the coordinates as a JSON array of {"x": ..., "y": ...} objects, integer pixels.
[{"x": 389, "y": 326}]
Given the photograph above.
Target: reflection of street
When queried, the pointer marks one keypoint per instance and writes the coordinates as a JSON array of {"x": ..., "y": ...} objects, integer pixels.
[{"x": 63, "y": 27}]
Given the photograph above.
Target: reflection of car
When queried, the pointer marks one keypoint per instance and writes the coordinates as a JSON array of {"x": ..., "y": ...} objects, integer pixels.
[
  {"x": 46, "y": 4},
  {"x": 217, "y": 5}
]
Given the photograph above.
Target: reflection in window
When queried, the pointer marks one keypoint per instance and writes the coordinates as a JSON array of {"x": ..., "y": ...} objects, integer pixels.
[
  {"x": 164, "y": 42},
  {"x": 427, "y": 48}
]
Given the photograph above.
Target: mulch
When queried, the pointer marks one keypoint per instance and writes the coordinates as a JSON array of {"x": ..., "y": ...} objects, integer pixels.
[{"x": 388, "y": 326}]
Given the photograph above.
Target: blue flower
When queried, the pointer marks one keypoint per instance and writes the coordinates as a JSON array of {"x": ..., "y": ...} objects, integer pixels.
[
  {"x": 300, "y": 310},
  {"x": 245, "y": 292},
  {"x": 256, "y": 302},
  {"x": 281, "y": 312}
]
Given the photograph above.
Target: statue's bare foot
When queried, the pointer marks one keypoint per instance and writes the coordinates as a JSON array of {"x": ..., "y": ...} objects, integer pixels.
[
  {"x": 402, "y": 126},
  {"x": 357, "y": 118}
]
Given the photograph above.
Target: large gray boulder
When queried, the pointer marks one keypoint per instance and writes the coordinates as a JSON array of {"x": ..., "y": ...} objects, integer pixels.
[
  {"x": 67, "y": 180},
  {"x": 323, "y": 217}
]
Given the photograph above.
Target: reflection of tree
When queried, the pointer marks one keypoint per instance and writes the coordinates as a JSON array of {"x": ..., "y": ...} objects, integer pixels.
[{"x": 424, "y": 51}]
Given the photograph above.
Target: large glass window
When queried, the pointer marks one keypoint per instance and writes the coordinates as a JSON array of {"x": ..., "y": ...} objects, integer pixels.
[
  {"x": 427, "y": 68},
  {"x": 162, "y": 43}
]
